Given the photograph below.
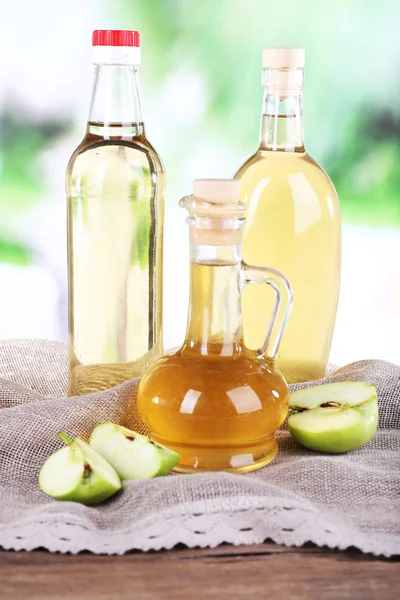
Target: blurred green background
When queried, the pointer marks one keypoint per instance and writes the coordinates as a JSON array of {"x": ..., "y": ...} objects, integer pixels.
[{"x": 201, "y": 93}]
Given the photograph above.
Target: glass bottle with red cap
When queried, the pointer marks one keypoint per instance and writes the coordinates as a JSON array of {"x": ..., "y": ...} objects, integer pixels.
[{"x": 115, "y": 187}]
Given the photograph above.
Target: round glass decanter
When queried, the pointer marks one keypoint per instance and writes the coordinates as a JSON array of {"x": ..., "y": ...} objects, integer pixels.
[{"x": 214, "y": 401}]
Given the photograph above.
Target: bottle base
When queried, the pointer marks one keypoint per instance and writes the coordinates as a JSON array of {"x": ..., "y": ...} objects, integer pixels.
[
  {"x": 229, "y": 459},
  {"x": 297, "y": 371}
]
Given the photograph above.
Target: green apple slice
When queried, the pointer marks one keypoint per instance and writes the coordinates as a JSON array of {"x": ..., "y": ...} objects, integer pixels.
[
  {"x": 153, "y": 460},
  {"x": 78, "y": 473},
  {"x": 334, "y": 417},
  {"x": 131, "y": 454}
]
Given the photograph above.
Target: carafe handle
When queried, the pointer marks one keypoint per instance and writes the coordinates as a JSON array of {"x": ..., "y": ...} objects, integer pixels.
[{"x": 282, "y": 307}]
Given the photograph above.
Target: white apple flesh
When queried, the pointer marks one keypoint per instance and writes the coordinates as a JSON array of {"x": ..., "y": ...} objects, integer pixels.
[
  {"x": 79, "y": 474},
  {"x": 133, "y": 456},
  {"x": 334, "y": 417}
]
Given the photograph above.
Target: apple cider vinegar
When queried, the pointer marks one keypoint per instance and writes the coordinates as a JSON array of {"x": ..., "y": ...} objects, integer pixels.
[
  {"x": 223, "y": 401},
  {"x": 293, "y": 225},
  {"x": 115, "y": 193},
  {"x": 214, "y": 402}
]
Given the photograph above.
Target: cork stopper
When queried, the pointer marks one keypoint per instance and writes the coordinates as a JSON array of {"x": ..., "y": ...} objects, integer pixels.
[
  {"x": 283, "y": 70},
  {"x": 215, "y": 213},
  {"x": 283, "y": 58}
]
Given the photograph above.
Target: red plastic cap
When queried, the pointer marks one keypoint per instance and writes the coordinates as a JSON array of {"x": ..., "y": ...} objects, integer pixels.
[{"x": 115, "y": 37}]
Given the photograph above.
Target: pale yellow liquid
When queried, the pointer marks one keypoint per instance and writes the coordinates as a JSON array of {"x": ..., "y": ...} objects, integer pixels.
[
  {"x": 293, "y": 225},
  {"x": 213, "y": 401},
  {"x": 115, "y": 195}
]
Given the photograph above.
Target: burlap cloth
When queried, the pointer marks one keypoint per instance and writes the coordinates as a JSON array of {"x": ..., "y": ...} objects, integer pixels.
[{"x": 338, "y": 501}]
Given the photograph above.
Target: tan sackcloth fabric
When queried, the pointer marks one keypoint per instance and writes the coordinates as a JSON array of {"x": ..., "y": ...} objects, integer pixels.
[{"x": 338, "y": 501}]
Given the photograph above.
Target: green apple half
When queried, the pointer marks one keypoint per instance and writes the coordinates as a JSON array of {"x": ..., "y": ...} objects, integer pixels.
[
  {"x": 334, "y": 417},
  {"x": 78, "y": 473},
  {"x": 133, "y": 456}
]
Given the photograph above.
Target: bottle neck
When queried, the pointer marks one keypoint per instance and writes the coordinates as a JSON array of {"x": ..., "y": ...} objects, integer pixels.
[
  {"x": 214, "y": 322},
  {"x": 282, "y": 114},
  {"x": 115, "y": 100}
]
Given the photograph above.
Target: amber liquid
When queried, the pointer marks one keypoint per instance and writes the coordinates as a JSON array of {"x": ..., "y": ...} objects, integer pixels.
[
  {"x": 293, "y": 225},
  {"x": 214, "y": 402},
  {"x": 115, "y": 193}
]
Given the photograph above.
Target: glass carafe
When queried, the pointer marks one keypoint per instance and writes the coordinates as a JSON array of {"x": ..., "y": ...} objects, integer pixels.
[{"x": 214, "y": 401}]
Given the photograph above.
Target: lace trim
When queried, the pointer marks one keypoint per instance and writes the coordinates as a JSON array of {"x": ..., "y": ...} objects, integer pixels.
[{"x": 241, "y": 526}]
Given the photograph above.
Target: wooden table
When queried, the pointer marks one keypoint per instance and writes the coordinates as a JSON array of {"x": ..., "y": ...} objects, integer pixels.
[{"x": 232, "y": 572}]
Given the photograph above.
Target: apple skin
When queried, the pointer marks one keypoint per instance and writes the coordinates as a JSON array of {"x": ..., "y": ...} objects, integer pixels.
[
  {"x": 335, "y": 429},
  {"x": 77, "y": 473},
  {"x": 167, "y": 457}
]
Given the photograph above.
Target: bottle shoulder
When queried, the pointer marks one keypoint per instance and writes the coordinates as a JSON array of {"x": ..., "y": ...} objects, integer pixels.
[
  {"x": 283, "y": 167},
  {"x": 95, "y": 146},
  {"x": 155, "y": 155},
  {"x": 101, "y": 166},
  {"x": 120, "y": 160}
]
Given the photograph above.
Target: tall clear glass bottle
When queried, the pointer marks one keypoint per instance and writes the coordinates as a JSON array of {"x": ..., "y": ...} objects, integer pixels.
[
  {"x": 115, "y": 187},
  {"x": 293, "y": 225}
]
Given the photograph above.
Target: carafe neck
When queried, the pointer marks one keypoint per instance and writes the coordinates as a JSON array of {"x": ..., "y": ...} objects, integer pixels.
[
  {"x": 115, "y": 101},
  {"x": 214, "y": 321},
  {"x": 282, "y": 113}
]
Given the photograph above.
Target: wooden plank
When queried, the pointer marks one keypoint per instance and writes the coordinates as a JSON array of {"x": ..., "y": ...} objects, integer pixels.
[{"x": 305, "y": 573}]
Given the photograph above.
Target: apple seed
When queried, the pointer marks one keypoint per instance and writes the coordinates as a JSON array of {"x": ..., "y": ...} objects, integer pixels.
[{"x": 87, "y": 470}]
